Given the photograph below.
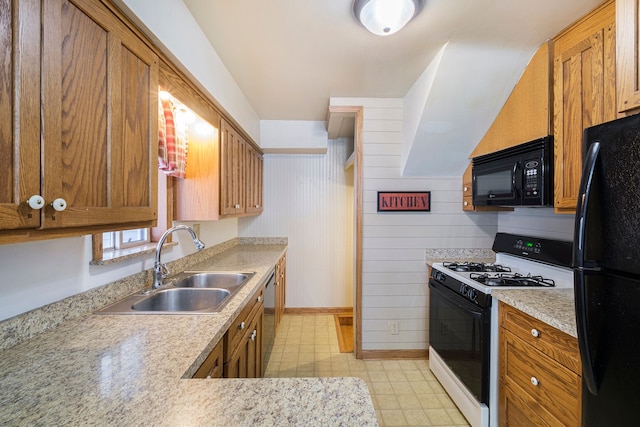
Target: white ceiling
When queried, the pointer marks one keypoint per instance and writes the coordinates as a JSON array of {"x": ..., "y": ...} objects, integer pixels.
[{"x": 290, "y": 56}]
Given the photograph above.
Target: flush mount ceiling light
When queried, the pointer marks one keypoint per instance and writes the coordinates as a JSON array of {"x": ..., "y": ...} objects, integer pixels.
[{"x": 385, "y": 17}]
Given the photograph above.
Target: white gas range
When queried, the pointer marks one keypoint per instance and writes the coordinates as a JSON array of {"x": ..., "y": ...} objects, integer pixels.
[{"x": 463, "y": 321}]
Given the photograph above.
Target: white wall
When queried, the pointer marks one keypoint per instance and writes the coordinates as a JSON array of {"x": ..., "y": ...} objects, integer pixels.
[
  {"x": 309, "y": 199},
  {"x": 394, "y": 272},
  {"x": 170, "y": 25},
  {"x": 537, "y": 222}
]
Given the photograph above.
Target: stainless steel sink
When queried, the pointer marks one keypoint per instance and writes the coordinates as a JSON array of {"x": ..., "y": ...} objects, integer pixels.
[
  {"x": 211, "y": 279},
  {"x": 193, "y": 292},
  {"x": 183, "y": 299}
]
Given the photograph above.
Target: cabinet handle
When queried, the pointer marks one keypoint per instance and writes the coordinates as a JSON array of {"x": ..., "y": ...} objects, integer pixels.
[
  {"x": 534, "y": 381},
  {"x": 465, "y": 189},
  {"x": 259, "y": 298},
  {"x": 241, "y": 326},
  {"x": 465, "y": 203},
  {"x": 535, "y": 333},
  {"x": 36, "y": 201},
  {"x": 253, "y": 335},
  {"x": 59, "y": 204},
  {"x": 257, "y": 206}
]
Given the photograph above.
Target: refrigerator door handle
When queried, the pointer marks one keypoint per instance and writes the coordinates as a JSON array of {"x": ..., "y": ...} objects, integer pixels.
[
  {"x": 580, "y": 262},
  {"x": 588, "y": 372},
  {"x": 579, "y": 249}
]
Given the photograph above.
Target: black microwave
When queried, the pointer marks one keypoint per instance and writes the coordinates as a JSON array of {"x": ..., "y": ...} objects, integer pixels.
[{"x": 516, "y": 176}]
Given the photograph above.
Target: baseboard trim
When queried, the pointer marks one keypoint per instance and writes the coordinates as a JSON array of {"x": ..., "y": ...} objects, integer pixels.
[
  {"x": 395, "y": 354},
  {"x": 318, "y": 310}
]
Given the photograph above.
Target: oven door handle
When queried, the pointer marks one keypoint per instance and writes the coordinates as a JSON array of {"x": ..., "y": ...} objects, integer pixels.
[{"x": 465, "y": 305}]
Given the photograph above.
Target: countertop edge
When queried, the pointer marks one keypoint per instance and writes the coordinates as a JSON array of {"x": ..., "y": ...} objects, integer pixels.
[{"x": 552, "y": 306}]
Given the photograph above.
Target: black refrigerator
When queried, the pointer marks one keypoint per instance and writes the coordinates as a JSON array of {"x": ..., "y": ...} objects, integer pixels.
[{"x": 606, "y": 263}]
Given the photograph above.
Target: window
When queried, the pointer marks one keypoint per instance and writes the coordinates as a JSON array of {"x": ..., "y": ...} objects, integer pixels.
[{"x": 114, "y": 240}]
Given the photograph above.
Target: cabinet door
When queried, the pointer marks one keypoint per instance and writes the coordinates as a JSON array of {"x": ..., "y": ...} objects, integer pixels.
[
  {"x": 236, "y": 366},
  {"x": 232, "y": 149},
  {"x": 19, "y": 113},
  {"x": 584, "y": 95},
  {"x": 212, "y": 366},
  {"x": 254, "y": 346},
  {"x": 627, "y": 55},
  {"x": 253, "y": 174},
  {"x": 100, "y": 117}
]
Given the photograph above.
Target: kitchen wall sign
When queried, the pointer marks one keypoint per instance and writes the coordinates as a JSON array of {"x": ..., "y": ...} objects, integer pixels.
[{"x": 404, "y": 201}]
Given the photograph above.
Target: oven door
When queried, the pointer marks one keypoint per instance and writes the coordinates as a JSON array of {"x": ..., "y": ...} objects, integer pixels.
[
  {"x": 497, "y": 183},
  {"x": 459, "y": 331}
]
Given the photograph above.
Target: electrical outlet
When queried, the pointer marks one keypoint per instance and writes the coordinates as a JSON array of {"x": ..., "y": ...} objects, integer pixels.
[
  {"x": 394, "y": 327},
  {"x": 196, "y": 228}
]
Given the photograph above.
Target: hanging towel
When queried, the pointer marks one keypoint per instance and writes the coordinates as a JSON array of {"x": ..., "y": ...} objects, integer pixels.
[
  {"x": 163, "y": 155},
  {"x": 172, "y": 147}
]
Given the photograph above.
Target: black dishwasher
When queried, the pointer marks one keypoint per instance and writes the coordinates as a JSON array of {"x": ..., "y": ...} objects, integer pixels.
[{"x": 269, "y": 323}]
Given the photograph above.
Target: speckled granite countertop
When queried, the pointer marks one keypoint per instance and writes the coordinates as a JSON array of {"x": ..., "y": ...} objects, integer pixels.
[
  {"x": 452, "y": 254},
  {"x": 132, "y": 369},
  {"x": 552, "y": 306}
]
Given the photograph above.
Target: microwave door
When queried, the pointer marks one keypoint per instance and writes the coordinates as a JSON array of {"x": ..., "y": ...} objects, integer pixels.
[{"x": 496, "y": 185}]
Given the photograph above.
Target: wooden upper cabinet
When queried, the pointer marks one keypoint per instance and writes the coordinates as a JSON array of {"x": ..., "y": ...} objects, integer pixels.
[
  {"x": 525, "y": 115},
  {"x": 584, "y": 94},
  {"x": 627, "y": 55},
  {"x": 231, "y": 170},
  {"x": 254, "y": 186},
  {"x": 19, "y": 113},
  {"x": 100, "y": 117},
  {"x": 79, "y": 101},
  {"x": 241, "y": 171}
]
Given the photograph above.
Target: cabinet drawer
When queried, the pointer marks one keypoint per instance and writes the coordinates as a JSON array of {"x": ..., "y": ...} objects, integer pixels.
[
  {"x": 239, "y": 326},
  {"x": 550, "y": 384},
  {"x": 519, "y": 409},
  {"x": 212, "y": 366},
  {"x": 543, "y": 337}
]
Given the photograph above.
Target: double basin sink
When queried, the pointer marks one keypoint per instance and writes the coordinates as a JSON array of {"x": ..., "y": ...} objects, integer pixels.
[{"x": 191, "y": 292}]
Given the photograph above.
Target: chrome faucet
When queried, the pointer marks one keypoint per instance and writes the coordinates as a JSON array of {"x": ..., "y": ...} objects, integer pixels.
[{"x": 160, "y": 271}]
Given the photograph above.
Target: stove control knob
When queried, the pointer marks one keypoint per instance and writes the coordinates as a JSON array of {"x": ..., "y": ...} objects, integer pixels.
[{"x": 472, "y": 295}]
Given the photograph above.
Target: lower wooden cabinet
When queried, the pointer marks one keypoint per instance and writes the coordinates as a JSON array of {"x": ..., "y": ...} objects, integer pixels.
[
  {"x": 540, "y": 373},
  {"x": 243, "y": 341},
  {"x": 212, "y": 366},
  {"x": 246, "y": 360}
]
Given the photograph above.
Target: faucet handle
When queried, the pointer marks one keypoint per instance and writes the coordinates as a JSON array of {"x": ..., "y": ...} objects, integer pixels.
[{"x": 164, "y": 270}]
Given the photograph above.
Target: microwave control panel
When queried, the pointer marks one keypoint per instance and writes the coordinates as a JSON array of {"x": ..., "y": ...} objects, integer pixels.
[{"x": 532, "y": 174}]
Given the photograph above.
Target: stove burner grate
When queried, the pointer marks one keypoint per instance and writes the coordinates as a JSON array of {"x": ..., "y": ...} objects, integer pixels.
[
  {"x": 475, "y": 267},
  {"x": 511, "y": 279}
]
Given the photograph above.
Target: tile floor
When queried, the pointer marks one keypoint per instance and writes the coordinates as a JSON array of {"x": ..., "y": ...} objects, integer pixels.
[{"x": 404, "y": 392}]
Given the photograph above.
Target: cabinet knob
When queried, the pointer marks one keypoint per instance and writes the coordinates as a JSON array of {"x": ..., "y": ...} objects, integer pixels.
[
  {"x": 259, "y": 298},
  {"x": 534, "y": 381},
  {"x": 465, "y": 203},
  {"x": 465, "y": 189},
  {"x": 253, "y": 335},
  {"x": 257, "y": 206},
  {"x": 59, "y": 204},
  {"x": 241, "y": 325},
  {"x": 535, "y": 333},
  {"x": 36, "y": 201}
]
